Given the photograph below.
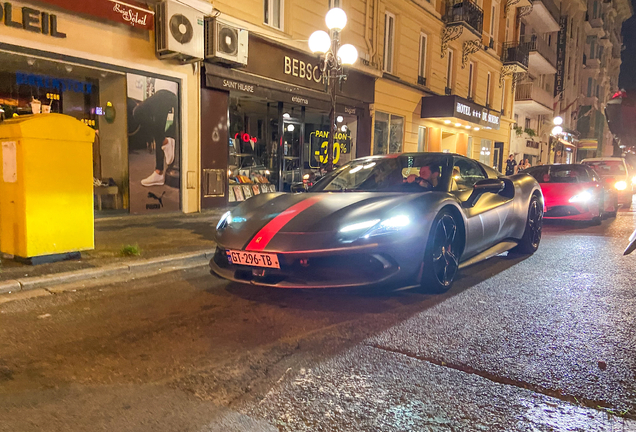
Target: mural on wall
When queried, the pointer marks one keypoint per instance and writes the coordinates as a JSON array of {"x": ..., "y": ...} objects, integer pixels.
[{"x": 153, "y": 144}]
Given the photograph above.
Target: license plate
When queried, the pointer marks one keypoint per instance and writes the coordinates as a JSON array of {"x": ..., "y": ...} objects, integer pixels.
[{"x": 254, "y": 259}]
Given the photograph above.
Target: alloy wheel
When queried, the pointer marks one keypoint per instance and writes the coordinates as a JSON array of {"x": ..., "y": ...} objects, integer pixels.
[
  {"x": 535, "y": 223},
  {"x": 445, "y": 248}
]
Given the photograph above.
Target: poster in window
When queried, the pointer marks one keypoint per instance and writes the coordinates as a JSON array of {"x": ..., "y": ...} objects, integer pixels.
[{"x": 154, "y": 147}]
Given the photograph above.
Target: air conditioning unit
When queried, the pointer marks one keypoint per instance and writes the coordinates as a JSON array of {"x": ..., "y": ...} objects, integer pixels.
[
  {"x": 225, "y": 42},
  {"x": 179, "y": 32}
]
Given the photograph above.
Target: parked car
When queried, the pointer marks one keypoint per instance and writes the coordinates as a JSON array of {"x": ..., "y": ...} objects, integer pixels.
[
  {"x": 412, "y": 219},
  {"x": 618, "y": 173},
  {"x": 575, "y": 192}
]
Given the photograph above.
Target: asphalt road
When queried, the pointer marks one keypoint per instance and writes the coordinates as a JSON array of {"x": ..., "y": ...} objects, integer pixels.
[{"x": 543, "y": 343}]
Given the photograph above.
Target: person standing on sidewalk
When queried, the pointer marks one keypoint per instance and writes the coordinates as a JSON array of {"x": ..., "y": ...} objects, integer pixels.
[{"x": 510, "y": 165}]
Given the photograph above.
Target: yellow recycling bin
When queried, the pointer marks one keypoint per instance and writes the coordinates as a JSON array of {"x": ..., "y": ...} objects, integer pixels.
[{"x": 46, "y": 187}]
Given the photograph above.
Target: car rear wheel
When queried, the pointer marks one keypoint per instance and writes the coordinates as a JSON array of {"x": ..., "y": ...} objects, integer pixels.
[
  {"x": 529, "y": 243},
  {"x": 441, "y": 258}
]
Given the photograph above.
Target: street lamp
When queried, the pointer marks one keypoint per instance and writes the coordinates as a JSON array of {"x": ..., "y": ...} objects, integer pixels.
[{"x": 335, "y": 56}]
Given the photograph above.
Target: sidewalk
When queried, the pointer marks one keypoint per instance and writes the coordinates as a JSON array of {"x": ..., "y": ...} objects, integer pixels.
[{"x": 154, "y": 236}]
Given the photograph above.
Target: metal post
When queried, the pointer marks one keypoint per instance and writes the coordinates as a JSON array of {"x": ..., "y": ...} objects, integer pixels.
[{"x": 333, "y": 70}]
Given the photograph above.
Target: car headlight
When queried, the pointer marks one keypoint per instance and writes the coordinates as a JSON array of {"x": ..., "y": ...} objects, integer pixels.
[
  {"x": 620, "y": 185},
  {"x": 582, "y": 197},
  {"x": 224, "y": 221},
  {"x": 376, "y": 227},
  {"x": 390, "y": 225}
]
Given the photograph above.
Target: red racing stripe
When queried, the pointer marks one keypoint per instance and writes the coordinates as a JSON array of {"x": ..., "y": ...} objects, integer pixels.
[{"x": 267, "y": 233}]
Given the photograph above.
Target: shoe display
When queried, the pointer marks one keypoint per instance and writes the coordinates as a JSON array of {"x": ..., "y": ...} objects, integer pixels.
[
  {"x": 154, "y": 179},
  {"x": 168, "y": 150}
]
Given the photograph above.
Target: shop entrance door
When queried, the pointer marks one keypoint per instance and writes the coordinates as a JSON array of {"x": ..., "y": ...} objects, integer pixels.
[
  {"x": 214, "y": 148},
  {"x": 498, "y": 156},
  {"x": 291, "y": 169}
]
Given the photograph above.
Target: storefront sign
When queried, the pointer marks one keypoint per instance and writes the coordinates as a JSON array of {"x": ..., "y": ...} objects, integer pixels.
[
  {"x": 235, "y": 85},
  {"x": 560, "y": 66},
  {"x": 319, "y": 142},
  {"x": 129, "y": 12},
  {"x": 459, "y": 108},
  {"x": 300, "y": 100},
  {"x": 300, "y": 69},
  {"x": 31, "y": 20},
  {"x": 48, "y": 82}
]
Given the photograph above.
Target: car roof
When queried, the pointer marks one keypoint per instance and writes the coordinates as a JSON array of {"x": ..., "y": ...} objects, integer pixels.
[{"x": 609, "y": 158}]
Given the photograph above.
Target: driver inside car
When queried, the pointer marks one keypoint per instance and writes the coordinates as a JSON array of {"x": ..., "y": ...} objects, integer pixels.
[{"x": 428, "y": 178}]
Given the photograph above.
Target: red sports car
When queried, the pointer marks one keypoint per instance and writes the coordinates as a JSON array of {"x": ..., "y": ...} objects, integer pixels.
[{"x": 574, "y": 192}]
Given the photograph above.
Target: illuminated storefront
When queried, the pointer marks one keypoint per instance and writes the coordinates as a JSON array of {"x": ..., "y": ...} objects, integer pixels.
[
  {"x": 95, "y": 61},
  {"x": 265, "y": 126}
]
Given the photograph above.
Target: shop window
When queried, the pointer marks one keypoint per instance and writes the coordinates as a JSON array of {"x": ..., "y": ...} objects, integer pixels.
[
  {"x": 389, "y": 38},
  {"x": 422, "y": 143},
  {"x": 388, "y": 133},
  {"x": 421, "y": 78},
  {"x": 273, "y": 13},
  {"x": 484, "y": 154}
]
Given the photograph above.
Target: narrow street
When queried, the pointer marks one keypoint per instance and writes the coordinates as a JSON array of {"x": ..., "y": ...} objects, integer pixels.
[{"x": 544, "y": 343}]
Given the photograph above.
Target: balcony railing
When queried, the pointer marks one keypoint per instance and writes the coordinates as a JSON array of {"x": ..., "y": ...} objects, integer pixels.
[
  {"x": 464, "y": 12},
  {"x": 515, "y": 53},
  {"x": 551, "y": 7},
  {"x": 534, "y": 43},
  {"x": 532, "y": 92}
]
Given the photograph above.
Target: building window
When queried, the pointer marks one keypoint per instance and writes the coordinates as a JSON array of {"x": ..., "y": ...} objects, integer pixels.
[
  {"x": 388, "y": 133},
  {"x": 274, "y": 13},
  {"x": 494, "y": 21},
  {"x": 527, "y": 125},
  {"x": 569, "y": 68},
  {"x": 503, "y": 98},
  {"x": 592, "y": 48},
  {"x": 488, "y": 90},
  {"x": 389, "y": 37},
  {"x": 449, "y": 70},
  {"x": 422, "y": 61},
  {"x": 422, "y": 144},
  {"x": 471, "y": 79},
  {"x": 589, "y": 87}
]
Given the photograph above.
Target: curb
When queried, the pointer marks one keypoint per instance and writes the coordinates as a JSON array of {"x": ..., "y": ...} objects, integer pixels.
[{"x": 142, "y": 266}]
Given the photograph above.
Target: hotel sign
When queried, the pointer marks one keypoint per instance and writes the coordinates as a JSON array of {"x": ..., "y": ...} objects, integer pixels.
[{"x": 459, "y": 108}]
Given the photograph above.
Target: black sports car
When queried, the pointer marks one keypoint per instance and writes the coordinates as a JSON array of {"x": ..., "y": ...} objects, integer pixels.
[{"x": 408, "y": 219}]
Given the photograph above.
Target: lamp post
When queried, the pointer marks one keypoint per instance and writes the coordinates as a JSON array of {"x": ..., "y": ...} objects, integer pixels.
[
  {"x": 335, "y": 56},
  {"x": 557, "y": 130}
]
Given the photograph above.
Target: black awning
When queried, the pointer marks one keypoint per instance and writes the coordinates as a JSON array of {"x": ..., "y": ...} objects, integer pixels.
[{"x": 457, "y": 107}]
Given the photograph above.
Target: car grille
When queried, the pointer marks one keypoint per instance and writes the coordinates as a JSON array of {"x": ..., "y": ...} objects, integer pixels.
[
  {"x": 316, "y": 271},
  {"x": 561, "y": 211}
]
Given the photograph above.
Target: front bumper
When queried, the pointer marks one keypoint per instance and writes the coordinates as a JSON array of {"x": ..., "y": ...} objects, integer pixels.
[
  {"x": 358, "y": 266},
  {"x": 572, "y": 212}
]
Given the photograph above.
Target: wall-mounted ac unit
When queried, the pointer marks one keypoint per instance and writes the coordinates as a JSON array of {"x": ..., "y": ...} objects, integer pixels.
[
  {"x": 179, "y": 32},
  {"x": 225, "y": 42}
]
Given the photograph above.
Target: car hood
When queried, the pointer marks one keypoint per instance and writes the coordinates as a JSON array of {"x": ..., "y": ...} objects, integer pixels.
[{"x": 280, "y": 219}]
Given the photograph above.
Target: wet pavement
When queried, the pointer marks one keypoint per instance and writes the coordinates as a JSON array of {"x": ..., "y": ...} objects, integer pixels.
[{"x": 540, "y": 343}]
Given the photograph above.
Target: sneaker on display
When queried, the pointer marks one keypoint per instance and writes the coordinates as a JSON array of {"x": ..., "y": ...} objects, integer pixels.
[
  {"x": 168, "y": 150},
  {"x": 154, "y": 179}
]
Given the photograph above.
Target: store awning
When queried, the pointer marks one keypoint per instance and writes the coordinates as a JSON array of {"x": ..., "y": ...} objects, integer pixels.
[
  {"x": 455, "y": 107},
  {"x": 587, "y": 144}
]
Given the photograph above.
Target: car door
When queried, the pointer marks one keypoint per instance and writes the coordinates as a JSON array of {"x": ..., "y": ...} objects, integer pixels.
[{"x": 486, "y": 220}]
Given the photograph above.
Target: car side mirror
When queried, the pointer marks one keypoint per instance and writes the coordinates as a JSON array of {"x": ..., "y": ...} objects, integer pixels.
[
  {"x": 484, "y": 186},
  {"x": 298, "y": 187}
]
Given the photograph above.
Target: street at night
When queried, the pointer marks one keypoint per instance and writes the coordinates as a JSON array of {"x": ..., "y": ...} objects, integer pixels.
[{"x": 538, "y": 343}]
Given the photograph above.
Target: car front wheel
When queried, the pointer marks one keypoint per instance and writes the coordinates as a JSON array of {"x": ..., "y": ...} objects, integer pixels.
[{"x": 441, "y": 258}]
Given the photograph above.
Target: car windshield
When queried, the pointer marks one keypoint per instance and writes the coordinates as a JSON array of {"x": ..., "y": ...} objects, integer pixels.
[
  {"x": 607, "y": 168},
  {"x": 560, "y": 174},
  {"x": 397, "y": 174}
]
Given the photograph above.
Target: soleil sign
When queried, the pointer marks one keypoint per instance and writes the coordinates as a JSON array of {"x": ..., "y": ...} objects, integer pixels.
[{"x": 31, "y": 20}]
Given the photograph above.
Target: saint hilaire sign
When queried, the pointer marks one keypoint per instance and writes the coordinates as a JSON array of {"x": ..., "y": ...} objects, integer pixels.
[
  {"x": 30, "y": 19},
  {"x": 128, "y": 12}
]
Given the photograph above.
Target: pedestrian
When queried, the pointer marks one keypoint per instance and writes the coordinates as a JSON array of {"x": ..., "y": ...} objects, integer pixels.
[
  {"x": 520, "y": 166},
  {"x": 527, "y": 164},
  {"x": 511, "y": 165}
]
